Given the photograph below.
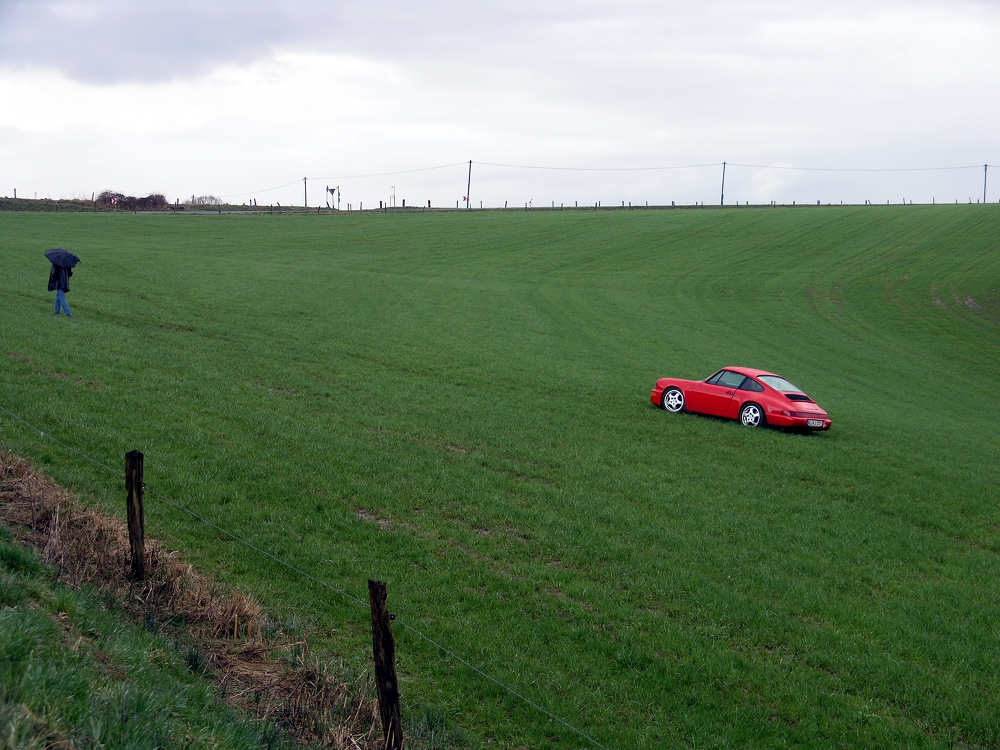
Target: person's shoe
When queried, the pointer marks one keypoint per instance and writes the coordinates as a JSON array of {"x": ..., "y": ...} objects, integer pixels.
[{"x": 69, "y": 315}]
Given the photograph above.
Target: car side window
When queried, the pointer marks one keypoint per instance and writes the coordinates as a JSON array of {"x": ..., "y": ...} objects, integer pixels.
[
  {"x": 712, "y": 380},
  {"x": 751, "y": 385},
  {"x": 730, "y": 379}
]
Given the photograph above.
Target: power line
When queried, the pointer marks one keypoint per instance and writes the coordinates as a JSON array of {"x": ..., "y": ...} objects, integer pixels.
[
  {"x": 598, "y": 169},
  {"x": 342, "y": 177},
  {"x": 257, "y": 192},
  {"x": 622, "y": 169},
  {"x": 314, "y": 579},
  {"x": 731, "y": 164},
  {"x": 846, "y": 169},
  {"x": 388, "y": 174}
]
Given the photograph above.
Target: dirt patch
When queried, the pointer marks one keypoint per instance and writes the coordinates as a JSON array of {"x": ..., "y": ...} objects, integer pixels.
[
  {"x": 254, "y": 665},
  {"x": 383, "y": 523},
  {"x": 836, "y": 298},
  {"x": 279, "y": 390},
  {"x": 51, "y": 373},
  {"x": 889, "y": 295}
]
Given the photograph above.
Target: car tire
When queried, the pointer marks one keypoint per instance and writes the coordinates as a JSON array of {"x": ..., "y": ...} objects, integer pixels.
[
  {"x": 673, "y": 400},
  {"x": 752, "y": 415}
]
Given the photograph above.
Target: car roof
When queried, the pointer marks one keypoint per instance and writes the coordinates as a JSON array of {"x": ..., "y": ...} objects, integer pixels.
[{"x": 751, "y": 371}]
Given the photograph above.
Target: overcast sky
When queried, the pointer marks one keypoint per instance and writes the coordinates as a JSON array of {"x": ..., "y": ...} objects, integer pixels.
[{"x": 231, "y": 98}]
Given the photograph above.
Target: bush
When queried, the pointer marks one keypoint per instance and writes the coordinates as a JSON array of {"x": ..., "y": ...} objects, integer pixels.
[{"x": 152, "y": 202}]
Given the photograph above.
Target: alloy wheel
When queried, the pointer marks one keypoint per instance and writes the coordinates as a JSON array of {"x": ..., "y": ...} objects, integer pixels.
[
  {"x": 673, "y": 400},
  {"x": 751, "y": 415}
]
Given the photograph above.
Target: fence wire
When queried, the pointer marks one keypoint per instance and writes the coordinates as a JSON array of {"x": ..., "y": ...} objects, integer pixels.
[
  {"x": 319, "y": 582},
  {"x": 646, "y": 168}
]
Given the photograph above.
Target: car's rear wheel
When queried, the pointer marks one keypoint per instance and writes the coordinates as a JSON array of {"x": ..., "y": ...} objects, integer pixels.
[
  {"x": 752, "y": 415},
  {"x": 672, "y": 400}
]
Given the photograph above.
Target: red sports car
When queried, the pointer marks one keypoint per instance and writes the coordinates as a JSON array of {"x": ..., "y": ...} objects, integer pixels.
[{"x": 755, "y": 397}]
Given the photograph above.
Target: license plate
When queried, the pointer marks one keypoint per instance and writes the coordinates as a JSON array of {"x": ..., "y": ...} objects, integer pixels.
[{"x": 815, "y": 422}]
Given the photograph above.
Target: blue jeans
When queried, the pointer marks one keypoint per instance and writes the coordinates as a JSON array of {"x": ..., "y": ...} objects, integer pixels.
[{"x": 61, "y": 300}]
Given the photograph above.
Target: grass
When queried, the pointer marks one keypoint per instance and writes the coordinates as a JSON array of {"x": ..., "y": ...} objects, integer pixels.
[
  {"x": 72, "y": 671},
  {"x": 268, "y": 674},
  {"x": 458, "y": 404}
]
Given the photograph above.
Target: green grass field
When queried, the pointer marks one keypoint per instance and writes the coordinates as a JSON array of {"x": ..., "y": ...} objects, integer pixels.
[
  {"x": 74, "y": 674},
  {"x": 458, "y": 404}
]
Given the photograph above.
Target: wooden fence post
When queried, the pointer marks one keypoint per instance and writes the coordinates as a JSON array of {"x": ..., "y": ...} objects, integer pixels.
[
  {"x": 136, "y": 521},
  {"x": 384, "y": 649}
]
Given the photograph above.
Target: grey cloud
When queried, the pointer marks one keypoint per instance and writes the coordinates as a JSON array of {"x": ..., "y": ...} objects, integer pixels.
[{"x": 109, "y": 41}]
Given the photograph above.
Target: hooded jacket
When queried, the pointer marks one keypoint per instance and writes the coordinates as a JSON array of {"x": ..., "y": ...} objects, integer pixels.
[{"x": 59, "y": 278}]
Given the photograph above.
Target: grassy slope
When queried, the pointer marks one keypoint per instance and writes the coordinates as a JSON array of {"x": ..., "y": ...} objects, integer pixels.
[
  {"x": 482, "y": 382},
  {"x": 70, "y": 670}
]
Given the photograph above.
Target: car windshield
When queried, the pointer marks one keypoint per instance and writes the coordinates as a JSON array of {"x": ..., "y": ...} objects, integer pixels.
[{"x": 779, "y": 384}]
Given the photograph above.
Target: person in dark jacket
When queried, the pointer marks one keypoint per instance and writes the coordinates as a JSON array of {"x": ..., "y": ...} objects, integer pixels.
[{"x": 59, "y": 283}]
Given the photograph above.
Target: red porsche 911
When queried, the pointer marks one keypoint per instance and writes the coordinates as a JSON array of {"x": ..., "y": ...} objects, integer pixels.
[{"x": 755, "y": 397}]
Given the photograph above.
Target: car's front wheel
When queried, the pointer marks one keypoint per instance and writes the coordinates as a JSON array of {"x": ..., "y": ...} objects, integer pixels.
[
  {"x": 752, "y": 415},
  {"x": 672, "y": 400}
]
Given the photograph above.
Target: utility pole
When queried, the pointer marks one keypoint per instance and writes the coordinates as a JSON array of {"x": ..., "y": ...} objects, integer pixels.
[
  {"x": 722, "y": 199},
  {"x": 985, "y": 167},
  {"x": 468, "y": 198},
  {"x": 305, "y": 193}
]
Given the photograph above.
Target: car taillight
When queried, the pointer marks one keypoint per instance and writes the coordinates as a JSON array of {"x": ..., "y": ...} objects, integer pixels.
[{"x": 786, "y": 413}]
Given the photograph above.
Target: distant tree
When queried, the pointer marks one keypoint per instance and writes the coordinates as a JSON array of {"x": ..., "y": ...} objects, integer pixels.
[
  {"x": 151, "y": 202},
  {"x": 205, "y": 200}
]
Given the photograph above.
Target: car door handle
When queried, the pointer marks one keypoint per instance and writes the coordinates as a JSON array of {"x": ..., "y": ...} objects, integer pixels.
[{"x": 729, "y": 393}]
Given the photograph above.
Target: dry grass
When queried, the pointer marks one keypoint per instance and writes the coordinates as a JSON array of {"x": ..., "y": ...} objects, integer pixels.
[{"x": 275, "y": 680}]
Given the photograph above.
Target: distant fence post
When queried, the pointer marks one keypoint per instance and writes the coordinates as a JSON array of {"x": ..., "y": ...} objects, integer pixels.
[
  {"x": 384, "y": 650},
  {"x": 136, "y": 522}
]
